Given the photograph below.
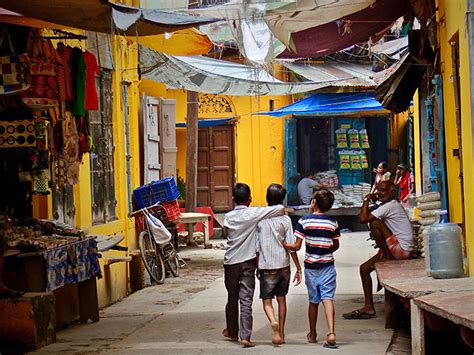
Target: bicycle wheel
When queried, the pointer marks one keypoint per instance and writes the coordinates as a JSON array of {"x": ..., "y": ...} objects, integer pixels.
[
  {"x": 151, "y": 257},
  {"x": 172, "y": 260}
]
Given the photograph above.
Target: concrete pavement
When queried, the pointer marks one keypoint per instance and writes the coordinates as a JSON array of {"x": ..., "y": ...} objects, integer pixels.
[{"x": 186, "y": 314}]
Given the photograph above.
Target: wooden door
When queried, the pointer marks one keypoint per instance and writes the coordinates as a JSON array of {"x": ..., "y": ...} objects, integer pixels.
[
  {"x": 168, "y": 137},
  {"x": 151, "y": 139},
  {"x": 216, "y": 167}
]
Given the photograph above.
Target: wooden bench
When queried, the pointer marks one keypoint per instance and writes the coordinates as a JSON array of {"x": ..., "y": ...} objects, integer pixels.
[
  {"x": 406, "y": 284},
  {"x": 457, "y": 307}
]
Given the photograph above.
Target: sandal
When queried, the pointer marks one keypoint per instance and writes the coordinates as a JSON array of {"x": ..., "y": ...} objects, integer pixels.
[
  {"x": 358, "y": 315},
  {"x": 310, "y": 339},
  {"x": 330, "y": 342}
]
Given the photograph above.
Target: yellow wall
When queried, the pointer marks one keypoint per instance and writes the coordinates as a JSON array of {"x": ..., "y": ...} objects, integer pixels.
[
  {"x": 259, "y": 145},
  {"x": 448, "y": 17},
  {"x": 259, "y": 140}
]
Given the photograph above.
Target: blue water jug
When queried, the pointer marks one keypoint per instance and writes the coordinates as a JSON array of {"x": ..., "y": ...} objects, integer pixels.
[{"x": 445, "y": 249}]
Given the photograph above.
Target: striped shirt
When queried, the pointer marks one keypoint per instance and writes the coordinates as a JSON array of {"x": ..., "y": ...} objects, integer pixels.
[
  {"x": 271, "y": 233},
  {"x": 318, "y": 231}
]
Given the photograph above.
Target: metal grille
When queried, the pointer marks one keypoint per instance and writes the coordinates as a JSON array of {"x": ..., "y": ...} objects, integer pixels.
[{"x": 102, "y": 155}]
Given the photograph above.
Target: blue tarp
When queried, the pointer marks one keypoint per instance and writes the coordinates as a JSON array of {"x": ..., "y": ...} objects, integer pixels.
[
  {"x": 207, "y": 123},
  {"x": 329, "y": 104}
]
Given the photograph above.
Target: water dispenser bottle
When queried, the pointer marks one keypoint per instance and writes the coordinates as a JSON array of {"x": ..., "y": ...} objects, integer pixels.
[{"x": 445, "y": 249}]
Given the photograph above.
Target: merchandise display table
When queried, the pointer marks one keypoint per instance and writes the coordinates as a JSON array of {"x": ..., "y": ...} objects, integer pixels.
[{"x": 68, "y": 270}]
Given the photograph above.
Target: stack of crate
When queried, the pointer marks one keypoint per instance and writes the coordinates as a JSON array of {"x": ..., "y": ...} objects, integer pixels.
[{"x": 160, "y": 198}]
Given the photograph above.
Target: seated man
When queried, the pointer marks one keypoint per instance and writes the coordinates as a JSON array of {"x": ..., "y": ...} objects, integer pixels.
[
  {"x": 306, "y": 187},
  {"x": 391, "y": 229}
]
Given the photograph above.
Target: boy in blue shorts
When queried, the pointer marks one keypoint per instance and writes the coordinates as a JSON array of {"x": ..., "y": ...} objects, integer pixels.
[{"x": 321, "y": 235}]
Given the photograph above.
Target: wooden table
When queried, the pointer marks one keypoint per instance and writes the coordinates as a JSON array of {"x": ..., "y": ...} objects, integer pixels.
[
  {"x": 452, "y": 299},
  {"x": 191, "y": 218}
]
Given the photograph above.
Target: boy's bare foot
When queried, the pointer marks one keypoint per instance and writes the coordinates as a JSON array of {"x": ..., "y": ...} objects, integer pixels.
[
  {"x": 247, "y": 343},
  {"x": 312, "y": 337},
  {"x": 282, "y": 335},
  {"x": 276, "y": 338},
  {"x": 225, "y": 333}
]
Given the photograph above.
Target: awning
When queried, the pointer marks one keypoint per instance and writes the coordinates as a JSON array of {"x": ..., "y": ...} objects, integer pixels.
[
  {"x": 102, "y": 16},
  {"x": 358, "y": 27},
  {"x": 304, "y": 14},
  {"x": 208, "y": 123},
  {"x": 213, "y": 76},
  {"x": 183, "y": 42},
  {"x": 348, "y": 74},
  {"x": 329, "y": 104}
]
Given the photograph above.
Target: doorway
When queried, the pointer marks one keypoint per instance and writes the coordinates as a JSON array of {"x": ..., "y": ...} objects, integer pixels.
[{"x": 216, "y": 167}]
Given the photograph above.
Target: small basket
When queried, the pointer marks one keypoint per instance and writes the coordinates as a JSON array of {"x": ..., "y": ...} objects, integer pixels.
[{"x": 164, "y": 190}]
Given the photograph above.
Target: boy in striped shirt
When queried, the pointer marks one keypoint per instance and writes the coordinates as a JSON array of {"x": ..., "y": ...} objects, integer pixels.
[
  {"x": 273, "y": 262},
  {"x": 321, "y": 235}
]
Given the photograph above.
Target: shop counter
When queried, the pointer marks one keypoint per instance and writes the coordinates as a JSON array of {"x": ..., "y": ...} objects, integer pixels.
[
  {"x": 69, "y": 271},
  {"x": 347, "y": 217}
]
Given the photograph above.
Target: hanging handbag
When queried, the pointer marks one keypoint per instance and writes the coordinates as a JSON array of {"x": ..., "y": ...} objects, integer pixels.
[
  {"x": 42, "y": 93},
  {"x": 157, "y": 229},
  {"x": 14, "y": 69}
]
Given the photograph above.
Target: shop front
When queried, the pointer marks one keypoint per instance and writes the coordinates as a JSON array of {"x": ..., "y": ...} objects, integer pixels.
[{"x": 342, "y": 138}]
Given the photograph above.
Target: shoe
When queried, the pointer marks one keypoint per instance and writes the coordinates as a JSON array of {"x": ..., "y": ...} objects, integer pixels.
[
  {"x": 358, "y": 315},
  {"x": 330, "y": 342}
]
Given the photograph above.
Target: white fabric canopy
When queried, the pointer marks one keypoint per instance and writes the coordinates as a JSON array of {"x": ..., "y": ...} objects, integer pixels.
[{"x": 212, "y": 76}]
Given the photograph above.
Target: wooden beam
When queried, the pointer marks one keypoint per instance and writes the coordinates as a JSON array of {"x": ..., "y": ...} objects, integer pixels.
[{"x": 191, "y": 151}]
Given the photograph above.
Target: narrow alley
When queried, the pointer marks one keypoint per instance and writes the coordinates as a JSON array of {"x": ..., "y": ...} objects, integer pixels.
[{"x": 185, "y": 315}]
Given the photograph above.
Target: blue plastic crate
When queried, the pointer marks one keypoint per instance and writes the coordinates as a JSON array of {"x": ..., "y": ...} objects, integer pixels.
[{"x": 164, "y": 190}]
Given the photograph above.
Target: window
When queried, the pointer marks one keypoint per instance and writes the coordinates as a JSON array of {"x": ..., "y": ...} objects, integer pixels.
[{"x": 102, "y": 155}]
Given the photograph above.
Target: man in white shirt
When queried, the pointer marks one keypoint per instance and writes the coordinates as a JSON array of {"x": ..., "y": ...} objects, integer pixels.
[
  {"x": 240, "y": 227},
  {"x": 391, "y": 229}
]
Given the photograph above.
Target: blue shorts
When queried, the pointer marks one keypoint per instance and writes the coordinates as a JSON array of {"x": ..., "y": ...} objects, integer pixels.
[{"x": 321, "y": 283}]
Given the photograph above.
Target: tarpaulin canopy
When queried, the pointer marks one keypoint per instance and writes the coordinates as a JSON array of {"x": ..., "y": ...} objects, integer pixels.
[
  {"x": 102, "y": 16},
  {"x": 329, "y": 38},
  {"x": 209, "y": 122},
  {"x": 304, "y": 14},
  {"x": 329, "y": 104},
  {"x": 349, "y": 74},
  {"x": 183, "y": 42},
  {"x": 213, "y": 76}
]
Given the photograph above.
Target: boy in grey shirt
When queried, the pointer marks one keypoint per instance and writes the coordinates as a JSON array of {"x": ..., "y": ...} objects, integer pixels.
[{"x": 240, "y": 226}]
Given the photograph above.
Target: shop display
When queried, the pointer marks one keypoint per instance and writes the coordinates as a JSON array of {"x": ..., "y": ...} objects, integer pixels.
[
  {"x": 14, "y": 69},
  {"x": 353, "y": 138},
  {"x": 341, "y": 138},
  {"x": 16, "y": 134},
  {"x": 364, "y": 139},
  {"x": 344, "y": 160}
]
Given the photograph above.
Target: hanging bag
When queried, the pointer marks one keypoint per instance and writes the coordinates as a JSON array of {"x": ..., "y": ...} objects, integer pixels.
[
  {"x": 43, "y": 92},
  {"x": 14, "y": 69},
  {"x": 157, "y": 229}
]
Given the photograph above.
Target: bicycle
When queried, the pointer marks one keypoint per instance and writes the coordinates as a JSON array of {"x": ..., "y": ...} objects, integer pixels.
[{"x": 156, "y": 255}]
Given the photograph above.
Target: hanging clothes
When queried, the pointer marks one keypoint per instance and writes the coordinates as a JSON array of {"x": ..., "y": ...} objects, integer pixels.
[
  {"x": 79, "y": 82},
  {"x": 64, "y": 73},
  {"x": 92, "y": 70}
]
